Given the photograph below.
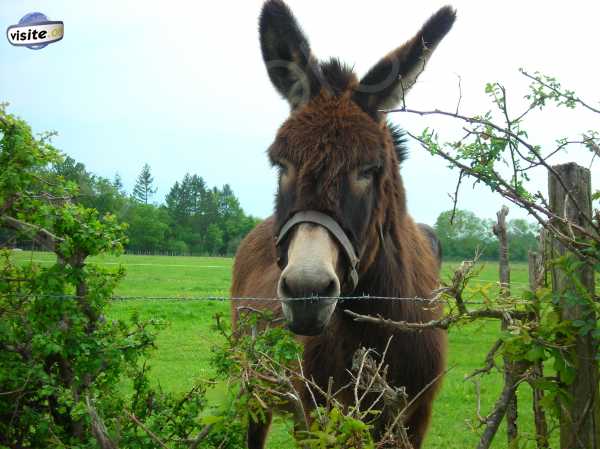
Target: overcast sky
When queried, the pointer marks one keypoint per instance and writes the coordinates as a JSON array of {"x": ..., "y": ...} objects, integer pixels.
[{"x": 181, "y": 85}]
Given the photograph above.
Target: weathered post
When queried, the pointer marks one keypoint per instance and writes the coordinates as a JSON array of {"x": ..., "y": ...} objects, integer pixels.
[
  {"x": 510, "y": 370},
  {"x": 570, "y": 198},
  {"x": 536, "y": 280},
  {"x": 501, "y": 232}
]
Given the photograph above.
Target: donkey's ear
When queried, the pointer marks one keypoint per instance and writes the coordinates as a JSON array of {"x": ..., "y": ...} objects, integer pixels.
[
  {"x": 385, "y": 85},
  {"x": 286, "y": 53}
]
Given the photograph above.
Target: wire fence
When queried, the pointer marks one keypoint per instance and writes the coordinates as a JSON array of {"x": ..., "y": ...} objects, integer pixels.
[{"x": 122, "y": 298}]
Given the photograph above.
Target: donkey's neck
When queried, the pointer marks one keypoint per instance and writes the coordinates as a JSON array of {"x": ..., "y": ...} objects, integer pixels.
[{"x": 404, "y": 269}]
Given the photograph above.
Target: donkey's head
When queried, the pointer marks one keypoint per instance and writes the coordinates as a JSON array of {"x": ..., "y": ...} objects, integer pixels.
[{"x": 338, "y": 159}]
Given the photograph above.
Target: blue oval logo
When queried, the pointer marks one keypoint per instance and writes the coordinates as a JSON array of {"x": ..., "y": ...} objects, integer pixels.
[{"x": 35, "y": 31}]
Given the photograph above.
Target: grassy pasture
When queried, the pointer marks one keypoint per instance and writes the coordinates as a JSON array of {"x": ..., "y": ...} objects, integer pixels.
[{"x": 184, "y": 345}]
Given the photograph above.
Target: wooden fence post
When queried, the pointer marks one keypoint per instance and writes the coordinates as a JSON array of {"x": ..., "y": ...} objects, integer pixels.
[
  {"x": 570, "y": 197},
  {"x": 536, "y": 280},
  {"x": 510, "y": 370}
]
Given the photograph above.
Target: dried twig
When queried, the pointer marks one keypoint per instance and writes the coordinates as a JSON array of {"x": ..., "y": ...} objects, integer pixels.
[
  {"x": 505, "y": 188},
  {"x": 558, "y": 92},
  {"x": 455, "y": 196},
  {"x": 400, "y": 416},
  {"x": 489, "y": 361},
  {"x": 537, "y": 211},
  {"x": 442, "y": 323},
  {"x": 494, "y": 419},
  {"x": 151, "y": 434}
]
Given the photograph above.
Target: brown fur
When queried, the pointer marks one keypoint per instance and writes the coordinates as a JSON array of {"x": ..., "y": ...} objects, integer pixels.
[
  {"x": 329, "y": 135},
  {"x": 405, "y": 267}
]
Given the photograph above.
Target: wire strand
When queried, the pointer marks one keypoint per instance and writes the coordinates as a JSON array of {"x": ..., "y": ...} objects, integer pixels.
[{"x": 118, "y": 298}]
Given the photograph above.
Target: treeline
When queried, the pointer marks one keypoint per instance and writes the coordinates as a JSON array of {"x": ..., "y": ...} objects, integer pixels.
[
  {"x": 198, "y": 219},
  {"x": 195, "y": 218},
  {"x": 464, "y": 233}
]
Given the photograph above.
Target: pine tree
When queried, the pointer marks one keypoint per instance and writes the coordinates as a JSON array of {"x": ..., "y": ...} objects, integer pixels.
[
  {"x": 118, "y": 183},
  {"x": 197, "y": 193},
  {"x": 144, "y": 189}
]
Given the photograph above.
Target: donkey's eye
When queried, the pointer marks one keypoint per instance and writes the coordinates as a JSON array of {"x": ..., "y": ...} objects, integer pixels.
[
  {"x": 286, "y": 172},
  {"x": 369, "y": 171}
]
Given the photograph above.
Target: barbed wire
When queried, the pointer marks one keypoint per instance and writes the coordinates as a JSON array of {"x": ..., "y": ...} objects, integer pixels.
[
  {"x": 258, "y": 299},
  {"x": 216, "y": 298}
]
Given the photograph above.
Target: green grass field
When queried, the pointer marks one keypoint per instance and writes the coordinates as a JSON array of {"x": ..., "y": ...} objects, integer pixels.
[{"x": 184, "y": 345}]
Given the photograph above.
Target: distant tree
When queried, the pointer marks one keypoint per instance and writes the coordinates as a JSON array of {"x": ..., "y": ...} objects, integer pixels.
[
  {"x": 194, "y": 219},
  {"x": 207, "y": 220},
  {"x": 105, "y": 197},
  {"x": 462, "y": 234},
  {"x": 214, "y": 240},
  {"x": 173, "y": 201},
  {"x": 197, "y": 193},
  {"x": 467, "y": 233},
  {"x": 185, "y": 199},
  {"x": 148, "y": 226},
  {"x": 232, "y": 217},
  {"x": 522, "y": 237},
  {"x": 68, "y": 169},
  {"x": 93, "y": 191},
  {"x": 118, "y": 184},
  {"x": 177, "y": 247},
  {"x": 144, "y": 187}
]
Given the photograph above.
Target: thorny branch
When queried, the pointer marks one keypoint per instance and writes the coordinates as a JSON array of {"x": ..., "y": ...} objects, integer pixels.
[
  {"x": 452, "y": 294},
  {"x": 486, "y": 142},
  {"x": 537, "y": 211},
  {"x": 510, "y": 134},
  {"x": 494, "y": 419},
  {"x": 566, "y": 95},
  {"x": 489, "y": 361},
  {"x": 442, "y": 323},
  {"x": 369, "y": 384},
  {"x": 455, "y": 196},
  {"x": 151, "y": 434},
  {"x": 510, "y": 316}
]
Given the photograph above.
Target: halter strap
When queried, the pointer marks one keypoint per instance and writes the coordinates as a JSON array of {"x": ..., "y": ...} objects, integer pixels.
[{"x": 313, "y": 216}]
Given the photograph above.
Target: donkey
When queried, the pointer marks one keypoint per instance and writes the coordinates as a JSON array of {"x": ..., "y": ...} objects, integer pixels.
[{"x": 341, "y": 225}]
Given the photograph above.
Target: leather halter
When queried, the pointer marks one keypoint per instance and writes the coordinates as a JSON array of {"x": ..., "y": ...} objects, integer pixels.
[{"x": 313, "y": 216}]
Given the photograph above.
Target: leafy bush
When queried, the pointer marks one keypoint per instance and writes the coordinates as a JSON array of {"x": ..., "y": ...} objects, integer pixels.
[{"x": 64, "y": 368}]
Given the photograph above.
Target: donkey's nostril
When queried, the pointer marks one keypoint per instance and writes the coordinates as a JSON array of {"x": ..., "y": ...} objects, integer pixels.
[
  {"x": 331, "y": 289},
  {"x": 284, "y": 287},
  {"x": 298, "y": 283}
]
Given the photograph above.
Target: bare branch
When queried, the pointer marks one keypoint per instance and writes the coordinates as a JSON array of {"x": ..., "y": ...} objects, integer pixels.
[
  {"x": 534, "y": 209},
  {"x": 44, "y": 237},
  {"x": 507, "y": 132},
  {"x": 592, "y": 145},
  {"x": 455, "y": 196},
  {"x": 494, "y": 419},
  {"x": 426, "y": 388},
  {"x": 489, "y": 361},
  {"x": 559, "y": 93},
  {"x": 151, "y": 434},
  {"x": 459, "y": 93},
  {"x": 443, "y": 323},
  {"x": 203, "y": 433}
]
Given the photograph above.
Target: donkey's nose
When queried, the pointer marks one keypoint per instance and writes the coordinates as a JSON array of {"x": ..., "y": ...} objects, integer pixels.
[
  {"x": 308, "y": 316},
  {"x": 305, "y": 282}
]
